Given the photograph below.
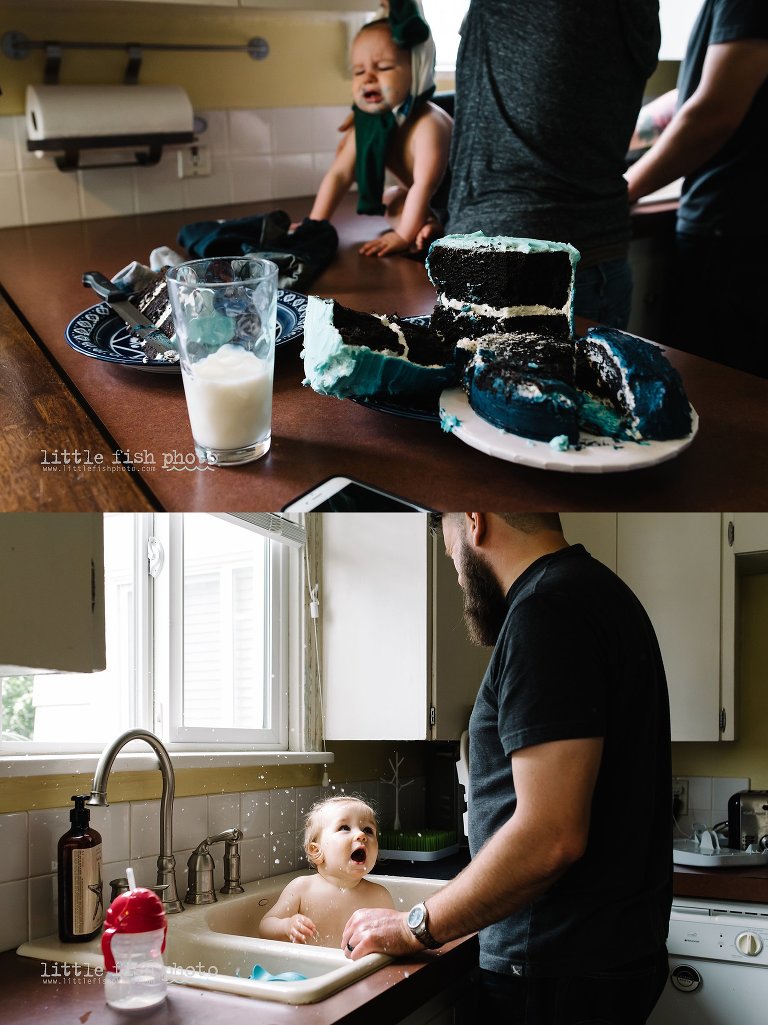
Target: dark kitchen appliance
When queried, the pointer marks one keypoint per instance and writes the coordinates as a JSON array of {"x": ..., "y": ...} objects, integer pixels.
[{"x": 748, "y": 820}]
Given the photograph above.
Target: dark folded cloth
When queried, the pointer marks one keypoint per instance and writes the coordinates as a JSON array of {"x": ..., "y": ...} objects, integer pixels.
[{"x": 300, "y": 255}]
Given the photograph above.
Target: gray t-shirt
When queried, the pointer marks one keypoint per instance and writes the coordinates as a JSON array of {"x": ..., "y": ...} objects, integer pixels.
[
  {"x": 547, "y": 97},
  {"x": 577, "y": 657}
]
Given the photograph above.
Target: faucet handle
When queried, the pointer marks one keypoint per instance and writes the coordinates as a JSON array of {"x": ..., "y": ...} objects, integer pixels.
[{"x": 230, "y": 836}]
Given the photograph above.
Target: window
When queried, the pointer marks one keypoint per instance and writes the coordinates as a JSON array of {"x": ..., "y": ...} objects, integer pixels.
[
  {"x": 445, "y": 17},
  {"x": 197, "y": 611}
]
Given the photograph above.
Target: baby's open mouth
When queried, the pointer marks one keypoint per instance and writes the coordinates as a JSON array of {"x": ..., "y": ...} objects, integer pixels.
[
  {"x": 358, "y": 856},
  {"x": 372, "y": 96}
]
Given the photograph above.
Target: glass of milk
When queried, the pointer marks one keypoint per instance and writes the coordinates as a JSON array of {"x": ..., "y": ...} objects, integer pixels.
[{"x": 225, "y": 312}]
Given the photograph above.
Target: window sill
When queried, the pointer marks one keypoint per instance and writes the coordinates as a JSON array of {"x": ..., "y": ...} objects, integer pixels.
[{"x": 140, "y": 761}]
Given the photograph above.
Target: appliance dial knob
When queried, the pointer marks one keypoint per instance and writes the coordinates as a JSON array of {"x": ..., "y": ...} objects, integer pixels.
[
  {"x": 685, "y": 978},
  {"x": 749, "y": 943}
]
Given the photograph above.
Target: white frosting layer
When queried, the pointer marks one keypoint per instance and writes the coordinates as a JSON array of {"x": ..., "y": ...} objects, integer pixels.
[{"x": 502, "y": 312}]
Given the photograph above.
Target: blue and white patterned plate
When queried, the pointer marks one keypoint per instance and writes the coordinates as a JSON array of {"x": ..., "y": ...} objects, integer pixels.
[{"x": 100, "y": 333}]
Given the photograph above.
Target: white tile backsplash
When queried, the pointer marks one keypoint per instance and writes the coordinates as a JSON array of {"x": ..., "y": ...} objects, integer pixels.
[
  {"x": 254, "y": 813},
  {"x": 256, "y": 155},
  {"x": 14, "y": 843},
  {"x": 223, "y": 813},
  {"x": 14, "y": 926},
  {"x": 253, "y": 859},
  {"x": 145, "y": 829},
  {"x": 43, "y": 905},
  {"x": 190, "y": 822},
  {"x": 282, "y": 810},
  {"x": 114, "y": 825},
  {"x": 45, "y": 828}
]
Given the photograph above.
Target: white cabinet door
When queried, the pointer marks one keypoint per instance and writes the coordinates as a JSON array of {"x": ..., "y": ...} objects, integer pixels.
[
  {"x": 375, "y": 605},
  {"x": 675, "y": 565},
  {"x": 52, "y": 572},
  {"x": 750, "y": 532}
]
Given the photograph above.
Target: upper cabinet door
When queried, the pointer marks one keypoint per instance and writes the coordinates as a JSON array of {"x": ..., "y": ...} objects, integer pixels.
[
  {"x": 674, "y": 562},
  {"x": 750, "y": 532},
  {"x": 52, "y": 568},
  {"x": 375, "y": 599}
]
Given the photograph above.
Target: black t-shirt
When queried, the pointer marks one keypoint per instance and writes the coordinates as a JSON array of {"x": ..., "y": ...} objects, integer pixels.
[
  {"x": 578, "y": 657},
  {"x": 726, "y": 196},
  {"x": 547, "y": 96}
]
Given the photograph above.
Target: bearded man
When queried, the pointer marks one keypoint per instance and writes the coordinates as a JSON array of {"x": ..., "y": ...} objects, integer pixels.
[{"x": 570, "y": 882}]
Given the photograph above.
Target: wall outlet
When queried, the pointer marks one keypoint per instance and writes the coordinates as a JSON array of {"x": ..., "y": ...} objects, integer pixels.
[
  {"x": 679, "y": 797},
  {"x": 195, "y": 162}
]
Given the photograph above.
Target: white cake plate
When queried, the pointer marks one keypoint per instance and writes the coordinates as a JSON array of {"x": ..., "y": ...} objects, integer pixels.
[{"x": 595, "y": 454}]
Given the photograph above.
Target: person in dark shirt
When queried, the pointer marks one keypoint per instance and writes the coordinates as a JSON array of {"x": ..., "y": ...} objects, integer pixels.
[
  {"x": 547, "y": 96},
  {"x": 570, "y": 726},
  {"x": 717, "y": 141}
]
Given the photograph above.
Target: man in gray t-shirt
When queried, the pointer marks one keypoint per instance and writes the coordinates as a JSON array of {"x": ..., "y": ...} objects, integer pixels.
[{"x": 547, "y": 96}]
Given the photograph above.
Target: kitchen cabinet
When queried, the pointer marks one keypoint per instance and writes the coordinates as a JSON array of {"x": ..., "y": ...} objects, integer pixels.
[
  {"x": 750, "y": 532},
  {"x": 52, "y": 569},
  {"x": 682, "y": 569},
  {"x": 397, "y": 663}
]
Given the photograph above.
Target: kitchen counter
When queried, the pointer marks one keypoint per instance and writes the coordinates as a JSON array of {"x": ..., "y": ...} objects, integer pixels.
[
  {"x": 731, "y": 884},
  {"x": 144, "y": 416},
  {"x": 390, "y": 994}
]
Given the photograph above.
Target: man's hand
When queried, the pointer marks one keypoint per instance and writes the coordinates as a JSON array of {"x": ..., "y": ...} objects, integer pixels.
[
  {"x": 386, "y": 244},
  {"x": 378, "y": 931}
]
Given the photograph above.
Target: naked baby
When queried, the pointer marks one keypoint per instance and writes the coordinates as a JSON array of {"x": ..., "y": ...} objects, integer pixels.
[
  {"x": 340, "y": 839},
  {"x": 396, "y": 129}
]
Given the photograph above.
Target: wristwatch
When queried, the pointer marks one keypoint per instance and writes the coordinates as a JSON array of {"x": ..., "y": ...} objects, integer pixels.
[{"x": 418, "y": 918}]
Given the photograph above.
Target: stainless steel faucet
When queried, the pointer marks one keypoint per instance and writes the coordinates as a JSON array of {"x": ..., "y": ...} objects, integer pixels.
[
  {"x": 166, "y": 863},
  {"x": 200, "y": 868}
]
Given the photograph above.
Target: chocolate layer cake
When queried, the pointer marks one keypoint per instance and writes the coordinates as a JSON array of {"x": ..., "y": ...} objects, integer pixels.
[
  {"x": 351, "y": 354},
  {"x": 630, "y": 388},
  {"x": 499, "y": 284},
  {"x": 154, "y": 303}
]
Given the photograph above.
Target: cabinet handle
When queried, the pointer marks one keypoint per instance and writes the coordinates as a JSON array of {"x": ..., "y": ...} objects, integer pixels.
[{"x": 731, "y": 533}]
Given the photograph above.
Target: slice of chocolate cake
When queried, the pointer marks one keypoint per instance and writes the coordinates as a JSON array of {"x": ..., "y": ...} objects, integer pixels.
[
  {"x": 154, "y": 303},
  {"x": 501, "y": 284},
  {"x": 521, "y": 401},
  {"x": 350, "y": 354},
  {"x": 630, "y": 388}
]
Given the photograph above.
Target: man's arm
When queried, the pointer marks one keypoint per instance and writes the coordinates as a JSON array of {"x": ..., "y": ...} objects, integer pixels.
[
  {"x": 653, "y": 119},
  {"x": 731, "y": 76},
  {"x": 554, "y": 783}
]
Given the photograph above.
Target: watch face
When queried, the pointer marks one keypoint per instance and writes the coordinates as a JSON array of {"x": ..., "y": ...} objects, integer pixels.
[{"x": 416, "y": 916}]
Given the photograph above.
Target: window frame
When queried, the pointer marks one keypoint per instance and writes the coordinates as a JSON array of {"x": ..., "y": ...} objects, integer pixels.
[{"x": 159, "y": 663}]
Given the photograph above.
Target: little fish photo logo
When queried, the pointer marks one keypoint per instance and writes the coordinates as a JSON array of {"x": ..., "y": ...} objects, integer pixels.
[
  {"x": 77, "y": 460},
  {"x": 54, "y": 973}
]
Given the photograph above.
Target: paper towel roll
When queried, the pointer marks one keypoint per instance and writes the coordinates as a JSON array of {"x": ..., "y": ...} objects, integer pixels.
[{"x": 85, "y": 111}]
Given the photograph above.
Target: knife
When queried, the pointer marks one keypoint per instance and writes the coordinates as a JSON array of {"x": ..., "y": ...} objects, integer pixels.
[{"x": 156, "y": 346}]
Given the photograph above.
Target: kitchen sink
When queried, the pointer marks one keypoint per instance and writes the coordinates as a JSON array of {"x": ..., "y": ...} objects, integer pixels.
[{"x": 216, "y": 946}]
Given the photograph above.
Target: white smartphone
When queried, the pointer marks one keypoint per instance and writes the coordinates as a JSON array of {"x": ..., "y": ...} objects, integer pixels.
[{"x": 344, "y": 494}]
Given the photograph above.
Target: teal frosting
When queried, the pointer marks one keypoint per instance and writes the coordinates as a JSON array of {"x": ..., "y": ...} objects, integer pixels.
[
  {"x": 505, "y": 243},
  {"x": 354, "y": 371},
  {"x": 448, "y": 421}
]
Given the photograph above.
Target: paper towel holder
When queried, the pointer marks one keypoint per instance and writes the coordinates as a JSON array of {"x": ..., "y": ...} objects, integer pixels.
[{"x": 70, "y": 160}]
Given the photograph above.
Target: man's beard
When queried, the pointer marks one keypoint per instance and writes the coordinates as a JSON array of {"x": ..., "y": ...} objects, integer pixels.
[{"x": 485, "y": 606}]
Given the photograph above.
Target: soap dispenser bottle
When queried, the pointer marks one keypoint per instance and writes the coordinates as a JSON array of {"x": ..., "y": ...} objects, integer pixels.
[{"x": 81, "y": 905}]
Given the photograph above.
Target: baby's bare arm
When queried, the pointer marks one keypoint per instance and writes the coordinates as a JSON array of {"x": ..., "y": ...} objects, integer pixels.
[
  {"x": 337, "y": 181},
  {"x": 284, "y": 920},
  {"x": 427, "y": 159}
]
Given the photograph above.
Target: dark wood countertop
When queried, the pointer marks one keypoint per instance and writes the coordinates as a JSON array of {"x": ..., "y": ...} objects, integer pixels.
[
  {"x": 387, "y": 995},
  {"x": 732, "y": 884},
  {"x": 315, "y": 436}
]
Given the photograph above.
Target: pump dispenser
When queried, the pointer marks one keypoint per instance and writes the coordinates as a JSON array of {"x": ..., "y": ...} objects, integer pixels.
[{"x": 81, "y": 905}]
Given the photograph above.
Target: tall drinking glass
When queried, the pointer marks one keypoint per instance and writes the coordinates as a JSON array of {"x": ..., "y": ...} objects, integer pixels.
[{"x": 225, "y": 312}]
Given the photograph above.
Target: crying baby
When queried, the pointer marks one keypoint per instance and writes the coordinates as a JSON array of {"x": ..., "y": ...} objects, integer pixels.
[{"x": 341, "y": 841}]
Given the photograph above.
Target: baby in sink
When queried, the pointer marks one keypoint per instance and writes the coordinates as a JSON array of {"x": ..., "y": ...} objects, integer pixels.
[{"x": 340, "y": 838}]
